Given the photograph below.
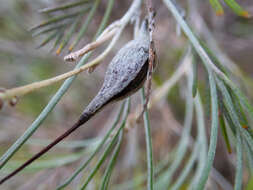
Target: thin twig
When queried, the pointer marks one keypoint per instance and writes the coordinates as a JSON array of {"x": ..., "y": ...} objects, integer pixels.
[
  {"x": 152, "y": 55},
  {"x": 148, "y": 138},
  {"x": 161, "y": 92},
  {"x": 20, "y": 91},
  {"x": 101, "y": 39},
  {"x": 35, "y": 125},
  {"x": 152, "y": 51}
]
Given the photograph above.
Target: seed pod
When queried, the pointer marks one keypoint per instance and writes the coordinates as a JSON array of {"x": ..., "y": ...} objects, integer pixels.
[{"x": 124, "y": 76}]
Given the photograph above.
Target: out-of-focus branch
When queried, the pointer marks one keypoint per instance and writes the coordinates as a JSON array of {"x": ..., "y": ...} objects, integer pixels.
[{"x": 20, "y": 91}]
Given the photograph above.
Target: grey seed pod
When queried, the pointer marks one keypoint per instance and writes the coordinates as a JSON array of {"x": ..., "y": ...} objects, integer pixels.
[
  {"x": 126, "y": 72},
  {"x": 125, "y": 75}
]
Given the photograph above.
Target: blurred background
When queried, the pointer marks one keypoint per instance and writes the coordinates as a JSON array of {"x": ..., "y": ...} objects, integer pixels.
[{"x": 23, "y": 61}]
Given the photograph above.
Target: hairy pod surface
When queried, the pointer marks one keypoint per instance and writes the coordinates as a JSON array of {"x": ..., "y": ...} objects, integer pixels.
[{"x": 126, "y": 72}]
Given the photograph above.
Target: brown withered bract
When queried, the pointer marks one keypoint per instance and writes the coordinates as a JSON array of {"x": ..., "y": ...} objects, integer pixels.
[{"x": 125, "y": 75}]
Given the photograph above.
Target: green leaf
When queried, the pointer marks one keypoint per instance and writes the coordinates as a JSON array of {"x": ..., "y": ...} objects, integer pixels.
[
  {"x": 217, "y": 7},
  {"x": 46, "y": 163},
  {"x": 213, "y": 57},
  {"x": 150, "y": 185},
  {"x": 195, "y": 75},
  {"x": 184, "y": 173},
  {"x": 63, "y": 7},
  {"x": 202, "y": 138},
  {"x": 232, "y": 112},
  {"x": 38, "y": 121},
  {"x": 72, "y": 29},
  {"x": 109, "y": 147},
  {"x": 85, "y": 25},
  {"x": 237, "y": 8},
  {"x": 47, "y": 40},
  {"x": 108, "y": 171},
  {"x": 55, "y": 20},
  {"x": 214, "y": 132},
  {"x": 249, "y": 154},
  {"x": 239, "y": 165},
  {"x": 101, "y": 144},
  {"x": 224, "y": 132},
  {"x": 50, "y": 106},
  {"x": 207, "y": 62},
  {"x": 163, "y": 181}
]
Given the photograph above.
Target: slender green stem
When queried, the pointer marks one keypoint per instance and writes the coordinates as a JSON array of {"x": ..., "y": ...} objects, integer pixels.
[
  {"x": 217, "y": 7},
  {"x": 55, "y": 20},
  {"x": 46, "y": 163},
  {"x": 208, "y": 64},
  {"x": 108, "y": 172},
  {"x": 239, "y": 165},
  {"x": 193, "y": 39},
  {"x": 101, "y": 144},
  {"x": 65, "y": 86},
  {"x": 63, "y": 7},
  {"x": 224, "y": 132},
  {"x": 249, "y": 156},
  {"x": 52, "y": 103},
  {"x": 107, "y": 13},
  {"x": 49, "y": 29},
  {"x": 164, "y": 180},
  {"x": 85, "y": 25},
  {"x": 72, "y": 29},
  {"x": 214, "y": 133},
  {"x": 58, "y": 39},
  {"x": 48, "y": 39},
  {"x": 148, "y": 145},
  {"x": 232, "y": 113},
  {"x": 187, "y": 168},
  {"x": 202, "y": 141},
  {"x": 102, "y": 159},
  {"x": 66, "y": 144},
  {"x": 195, "y": 76},
  {"x": 109, "y": 147},
  {"x": 43, "y": 115},
  {"x": 188, "y": 124},
  {"x": 140, "y": 179}
]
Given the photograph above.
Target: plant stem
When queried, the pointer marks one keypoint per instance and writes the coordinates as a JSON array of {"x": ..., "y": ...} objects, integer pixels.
[{"x": 148, "y": 145}]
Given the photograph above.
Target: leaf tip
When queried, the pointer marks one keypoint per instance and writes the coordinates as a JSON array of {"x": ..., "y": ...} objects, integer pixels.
[
  {"x": 245, "y": 126},
  {"x": 58, "y": 51},
  {"x": 219, "y": 13},
  {"x": 71, "y": 48},
  {"x": 246, "y": 14}
]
